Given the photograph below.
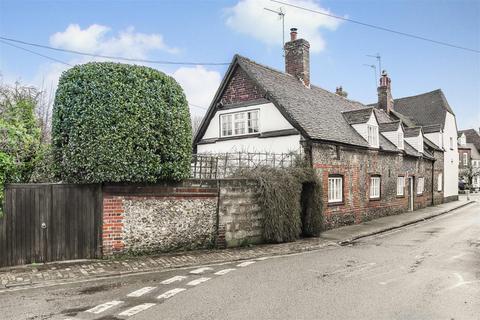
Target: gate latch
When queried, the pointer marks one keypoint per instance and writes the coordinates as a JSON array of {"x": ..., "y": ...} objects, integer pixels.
[{"x": 44, "y": 225}]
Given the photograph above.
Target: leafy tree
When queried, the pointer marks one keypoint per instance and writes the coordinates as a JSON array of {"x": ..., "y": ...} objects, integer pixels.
[
  {"x": 19, "y": 134},
  {"x": 116, "y": 122},
  {"x": 469, "y": 173}
]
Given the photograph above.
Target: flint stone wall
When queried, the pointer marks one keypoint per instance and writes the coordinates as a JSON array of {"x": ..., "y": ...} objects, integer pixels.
[
  {"x": 192, "y": 214},
  {"x": 162, "y": 224}
]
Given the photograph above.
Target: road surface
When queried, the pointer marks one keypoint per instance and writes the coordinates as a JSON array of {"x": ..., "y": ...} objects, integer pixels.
[{"x": 429, "y": 270}]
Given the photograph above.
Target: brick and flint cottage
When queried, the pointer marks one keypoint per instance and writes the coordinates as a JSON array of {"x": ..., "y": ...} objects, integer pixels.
[
  {"x": 469, "y": 156},
  {"x": 370, "y": 162}
]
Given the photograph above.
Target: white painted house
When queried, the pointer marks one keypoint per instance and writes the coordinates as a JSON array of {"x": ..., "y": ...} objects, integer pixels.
[{"x": 432, "y": 112}]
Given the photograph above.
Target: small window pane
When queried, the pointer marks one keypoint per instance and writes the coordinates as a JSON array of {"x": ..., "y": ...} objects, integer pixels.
[
  {"x": 400, "y": 186},
  {"x": 375, "y": 187},
  {"x": 335, "y": 189}
]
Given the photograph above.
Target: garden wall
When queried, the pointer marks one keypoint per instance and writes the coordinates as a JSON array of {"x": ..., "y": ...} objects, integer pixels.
[{"x": 192, "y": 214}]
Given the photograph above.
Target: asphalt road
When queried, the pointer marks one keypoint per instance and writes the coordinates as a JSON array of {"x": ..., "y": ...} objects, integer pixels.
[{"x": 429, "y": 270}]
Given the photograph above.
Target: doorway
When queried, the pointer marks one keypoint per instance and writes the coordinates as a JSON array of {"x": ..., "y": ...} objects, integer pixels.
[{"x": 411, "y": 189}]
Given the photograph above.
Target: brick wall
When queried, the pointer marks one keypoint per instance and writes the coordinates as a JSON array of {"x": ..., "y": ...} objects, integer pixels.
[
  {"x": 356, "y": 167},
  {"x": 240, "y": 89},
  {"x": 178, "y": 216}
]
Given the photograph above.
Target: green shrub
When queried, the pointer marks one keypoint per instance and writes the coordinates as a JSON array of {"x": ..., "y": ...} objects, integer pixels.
[
  {"x": 115, "y": 122},
  {"x": 280, "y": 197}
]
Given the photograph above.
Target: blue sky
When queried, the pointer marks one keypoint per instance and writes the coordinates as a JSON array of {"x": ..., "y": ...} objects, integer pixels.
[{"x": 215, "y": 30}]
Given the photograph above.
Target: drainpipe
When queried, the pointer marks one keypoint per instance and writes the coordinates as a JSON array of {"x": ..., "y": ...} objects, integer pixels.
[{"x": 433, "y": 179}]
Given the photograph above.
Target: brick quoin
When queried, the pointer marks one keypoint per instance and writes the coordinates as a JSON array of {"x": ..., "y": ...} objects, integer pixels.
[
  {"x": 113, "y": 212},
  {"x": 241, "y": 89},
  {"x": 112, "y": 225}
]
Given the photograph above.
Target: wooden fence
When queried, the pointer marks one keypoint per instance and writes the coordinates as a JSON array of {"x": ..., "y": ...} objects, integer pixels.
[{"x": 50, "y": 222}]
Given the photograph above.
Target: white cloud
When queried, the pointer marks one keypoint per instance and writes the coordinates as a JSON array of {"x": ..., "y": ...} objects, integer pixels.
[
  {"x": 95, "y": 39},
  {"x": 199, "y": 85},
  {"x": 250, "y": 18}
]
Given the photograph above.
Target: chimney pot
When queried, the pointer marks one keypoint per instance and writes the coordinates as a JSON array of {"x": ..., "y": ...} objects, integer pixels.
[
  {"x": 297, "y": 58},
  {"x": 293, "y": 34},
  {"x": 385, "y": 100}
]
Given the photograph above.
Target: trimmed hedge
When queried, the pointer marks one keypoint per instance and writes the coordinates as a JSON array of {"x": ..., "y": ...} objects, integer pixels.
[{"x": 115, "y": 122}]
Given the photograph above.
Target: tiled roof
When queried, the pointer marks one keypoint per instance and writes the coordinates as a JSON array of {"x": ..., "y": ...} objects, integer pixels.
[
  {"x": 424, "y": 109},
  {"x": 386, "y": 145},
  {"x": 432, "y": 128},
  {"x": 389, "y": 126},
  {"x": 412, "y": 132},
  {"x": 411, "y": 151},
  {"x": 472, "y": 137},
  {"x": 382, "y": 116},
  {"x": 315, "y": 112},
  {"x": 358, "y": 116}
]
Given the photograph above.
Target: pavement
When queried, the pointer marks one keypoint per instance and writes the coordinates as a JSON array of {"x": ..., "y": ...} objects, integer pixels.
[{"x": 52, "y": 274}]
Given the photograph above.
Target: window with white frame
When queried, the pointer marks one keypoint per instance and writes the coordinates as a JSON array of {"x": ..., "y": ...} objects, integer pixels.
[
  {"x": 239, "y": 123},
  {"x": 400, "y": 140},
  {"x": 372, "y": 134},
  {"x": 374, "y": 187},
  {"x": 440, "y": 182},
  {"x": 451, "y": 143},
  {"x": 335, "y": 189},
  {"x": 400, "y": 185},
  {"x": 476, "y": 163},
  {"x": 420, "y": 185},
  {"x": 465, "y": 159}
]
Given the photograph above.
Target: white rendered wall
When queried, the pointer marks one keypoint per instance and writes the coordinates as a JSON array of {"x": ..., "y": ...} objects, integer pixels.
[
  {"x": 416, "y": 142},
  {"x": 435, "y": 137},
  {"x": 361, "y": 128},
  {"x": 450, "y": 156},
  {"x": 269, "y": 119},
  {"x": 392, "y": 136},
  {"x": 271, "y": 145}
]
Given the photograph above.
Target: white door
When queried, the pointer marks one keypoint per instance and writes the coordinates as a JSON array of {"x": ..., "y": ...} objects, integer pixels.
[{"x": 410, "y": 193}]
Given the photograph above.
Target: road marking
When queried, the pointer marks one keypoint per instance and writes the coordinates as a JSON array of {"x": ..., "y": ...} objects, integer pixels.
[
  {"x": 246, "y": 263},
  {"x": 136, "y": 309},
  {"x": 459, "y": 255},
  {"x": 141, "y": 292},
  {"x": 224, "y": 271},
  {"x": 103, "y": 307},
  {"x": 200, "y": 270},
  {"x": 170, "y": 293},
  {"x": 197, "y": 281},
  {"x": 262, "y": 258},
  {"x": 174, "y": 279},
  {"x": 387, "y": 281}
]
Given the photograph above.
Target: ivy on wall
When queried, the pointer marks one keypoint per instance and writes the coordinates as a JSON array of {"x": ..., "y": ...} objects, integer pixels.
[{"x": 115, "y": 122}]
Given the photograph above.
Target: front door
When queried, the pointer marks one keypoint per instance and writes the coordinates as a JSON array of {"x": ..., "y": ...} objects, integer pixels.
[{"x": 410, "y": 193}]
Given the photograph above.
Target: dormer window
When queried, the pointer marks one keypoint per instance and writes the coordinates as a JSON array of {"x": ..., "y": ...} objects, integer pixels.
[
  {"x": 372, "y": 134},
  {"x": 239, "y": 123},
  {"x": 463, "y": 140},
  {"x": 400, "y": 140}
]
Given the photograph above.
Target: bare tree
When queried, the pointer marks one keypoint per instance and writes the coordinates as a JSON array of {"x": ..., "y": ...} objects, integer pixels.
[{"x": 196, "y": 121}]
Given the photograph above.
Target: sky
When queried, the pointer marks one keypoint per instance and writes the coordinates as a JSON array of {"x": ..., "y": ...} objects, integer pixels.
[{"x": 213, "y": 31}]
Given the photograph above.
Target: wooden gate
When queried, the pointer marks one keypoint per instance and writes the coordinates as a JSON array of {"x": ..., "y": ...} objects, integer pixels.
[{"x": 50, "y": 222}]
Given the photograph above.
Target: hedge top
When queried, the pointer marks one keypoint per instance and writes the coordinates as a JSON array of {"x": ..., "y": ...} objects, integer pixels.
[{"x": 115, "y": 122}]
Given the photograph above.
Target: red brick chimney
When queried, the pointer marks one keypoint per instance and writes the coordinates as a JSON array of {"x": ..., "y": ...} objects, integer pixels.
[
  {"x": 297, "y": 58},
  {"x": 385, "y": 100}
]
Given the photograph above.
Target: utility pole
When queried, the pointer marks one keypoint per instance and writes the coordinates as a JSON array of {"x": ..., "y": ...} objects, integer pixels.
[{"x": 281, "y": 16}]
